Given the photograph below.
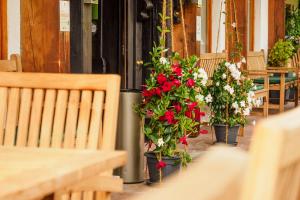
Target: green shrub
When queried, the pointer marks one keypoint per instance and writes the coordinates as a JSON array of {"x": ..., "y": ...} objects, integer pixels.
[{"x": 280, "y": 53}]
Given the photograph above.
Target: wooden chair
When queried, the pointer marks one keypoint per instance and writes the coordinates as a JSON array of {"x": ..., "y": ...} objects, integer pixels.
[
  {"x": 256, "y": 69},
  {"x": 271, "y": 170},
  {"x": 256, "y": 63},
  {"x": 210, "y": 61},
  {"x": 296, "y": 64},
  {"x": 62, "y": 111},
  {"x": 12, "y": 65}
]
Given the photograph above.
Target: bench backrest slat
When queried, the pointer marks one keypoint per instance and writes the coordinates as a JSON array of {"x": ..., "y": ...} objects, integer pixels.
[{"x": 210, "y": 61}]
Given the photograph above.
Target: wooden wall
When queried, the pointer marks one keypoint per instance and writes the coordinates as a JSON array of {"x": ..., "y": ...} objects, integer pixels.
[
  {"x": 276, "y": 21},
  {"x": 43, "y": 47},
  {"x": 190, "y": 13},
  {"x": 3, "y": 29}
]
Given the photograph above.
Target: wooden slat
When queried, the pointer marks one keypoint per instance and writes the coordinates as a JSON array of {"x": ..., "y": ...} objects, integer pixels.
[
  {"x": 84, "y": 119},
  {"x": 35, "y": 118},
  {"x": 26, "y": 100},
  {"x": 55, "y": 81},
  {"x": 71, "y": 121},
  {"x": 3, "y": 109},
  {"x": 12, "y": 116},
  {"x": 47, "y": 120},
  {"x": 59, "y": 118},
  {"x": 95, "y": 132}
]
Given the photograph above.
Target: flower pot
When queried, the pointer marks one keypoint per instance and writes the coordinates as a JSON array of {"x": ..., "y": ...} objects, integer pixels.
[
  {"x": 220, "y": 131},
  {"x": 173, "y": 164}
]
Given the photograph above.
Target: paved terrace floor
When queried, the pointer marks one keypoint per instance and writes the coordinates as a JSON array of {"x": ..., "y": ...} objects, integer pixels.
[{"x": 198, "y": 146}]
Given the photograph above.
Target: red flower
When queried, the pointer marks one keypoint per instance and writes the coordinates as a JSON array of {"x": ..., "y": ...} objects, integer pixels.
[
  {"x": 192, "y": 105},
  {"x": 183, "y": 140},
  {"x": 147, "y": 93},
  {"x": 203, "y": 132},
  {"x": 177, "y": 107},
  {"x": 190, "y": 82},
  {"x": 177, "y": 69},
  {"x": 158, "y": 92},
  {"x": 169, "y": 116},
  {"x": 161, "y": 78},
  {"x": 171, "y": 77},
  {"x": 167, "y": 86},
  {"x": 176, "y": 82},
  {"x": 160, "y": 164},
  {"x": 188, "y": 114},
  {"x": 149, "y": 113},
  {"x": 198, "y": 114}
]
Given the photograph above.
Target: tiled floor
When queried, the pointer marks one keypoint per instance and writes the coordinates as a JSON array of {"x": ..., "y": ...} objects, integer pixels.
[{"x": 197, "y": 146}]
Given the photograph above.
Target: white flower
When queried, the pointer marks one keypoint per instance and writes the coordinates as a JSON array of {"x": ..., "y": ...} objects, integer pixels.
[
  {"x": 203, "y": 75},
  {"x": 227, "y": 64},
  {"x": 200, "y": 97},
  {"x": 195, "y": 75},
  {"x": 235, "y": 73},
  {"x": 243, "y": 104},
  {"x": 163, "y": 61},
  {"x": 217, "y": 83},
  {"x": 235, "y": 105},
  {"x": 244, "y": 60},
  {"x": 224, "y": 76},
  {"x": 160, "y": 142},
  {"x": 233, "y": 25},
  {"x": 208, "y": 98},
  {"x": 246, "y": 112},
  {"x": 203, "y": 82},
  {"x": 229, "y": 89},
  {"x": 239, "y": 64}
]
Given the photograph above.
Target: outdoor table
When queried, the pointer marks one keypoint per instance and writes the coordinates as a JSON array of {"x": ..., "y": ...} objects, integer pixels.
[{"x": 32, "y": 173}]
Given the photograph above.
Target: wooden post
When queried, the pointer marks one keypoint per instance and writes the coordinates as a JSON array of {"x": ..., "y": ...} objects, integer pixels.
[
  {"x": 241, "y": 21},
  {"x": 3, "y": 29},
  {"x": 81, "y": 36},
  {"x": 276, "y": 21}
]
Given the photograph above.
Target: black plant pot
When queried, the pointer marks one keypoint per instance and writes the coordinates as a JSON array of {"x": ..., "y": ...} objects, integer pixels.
[
  {"x": 173, "y": 165},
  {"x": 220, "y": 131}
]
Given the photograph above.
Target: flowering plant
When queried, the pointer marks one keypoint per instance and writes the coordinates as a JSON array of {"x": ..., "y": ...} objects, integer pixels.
[
  {"x": 171, "y": 101},
  {"x": 232, "y": 95}
]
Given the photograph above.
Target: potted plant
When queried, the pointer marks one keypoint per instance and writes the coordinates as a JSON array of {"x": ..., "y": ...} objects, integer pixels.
[
  {"x": 232, "y": 101},
  {"x": 172, "y": 98},
  {"x": 281, "y": 53}
]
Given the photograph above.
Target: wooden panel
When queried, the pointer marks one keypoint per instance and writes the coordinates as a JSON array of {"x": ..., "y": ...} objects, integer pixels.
[
  {"x": 3, "y": 29},
  {"x": 190, "y": 13},
  {"x": 44, "y": 48},
  {"x": 12, "y": 116},
  {"x": 95, "y": 132},
  {"x": 26, "y": 100},
  {"x": 47, "y": 119},
  {"x": 276, "y": 21},
  {"x": 3, "y": 109},
  {"x": 59, "y": 118},
  {"x": 71, "y": 121},
  {"x": 35, "y": 119},
  {"x": 84, "y": 119}
]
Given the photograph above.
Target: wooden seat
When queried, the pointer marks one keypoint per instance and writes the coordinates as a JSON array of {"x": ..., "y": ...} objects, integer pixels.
[
  {"x": 256, "y": 64},
  {"x": 62, "y": 111},
  {"x": 12, "y": 65},
  {"x": 271, "y": 170},
  {"x": 256, "y": 68}
]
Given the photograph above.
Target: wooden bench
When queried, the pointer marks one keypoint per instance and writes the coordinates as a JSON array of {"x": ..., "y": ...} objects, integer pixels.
[
  {"x": 12, "y": 65},
  {"x": 270, "y": 171},
  {"x": 62, "y": 111},
  {"x": 256, "y": 63}
]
